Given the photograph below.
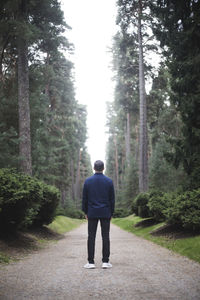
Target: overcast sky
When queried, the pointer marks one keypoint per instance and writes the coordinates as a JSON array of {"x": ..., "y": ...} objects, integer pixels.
[{"x": 93, "y": 25}]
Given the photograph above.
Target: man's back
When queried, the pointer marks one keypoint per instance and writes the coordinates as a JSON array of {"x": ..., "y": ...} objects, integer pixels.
[
  {"x": 98, "y": 196},
  {"x": 98, "y": 204}
]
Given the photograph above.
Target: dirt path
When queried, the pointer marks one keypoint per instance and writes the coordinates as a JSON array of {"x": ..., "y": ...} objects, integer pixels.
[{"x": 141, "y": 270}]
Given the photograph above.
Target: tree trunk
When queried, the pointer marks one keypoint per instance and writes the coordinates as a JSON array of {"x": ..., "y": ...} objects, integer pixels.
[
  {"x": 128, "y": 138},
  {"x": 143, "y": 158},
  {"x": 72, "y": 179},
  {"x": 116, "y": 165},
  {"x": 24, "y": 109},
  {"x": 63, "y": 197},
  {"x": 47, "y": 84},
  {"x": 137, "y": 144},
  {"x": 77, "y": 182}
]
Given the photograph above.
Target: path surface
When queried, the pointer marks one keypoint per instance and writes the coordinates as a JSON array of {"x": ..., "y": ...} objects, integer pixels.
[{"x": 141, "y": 270}]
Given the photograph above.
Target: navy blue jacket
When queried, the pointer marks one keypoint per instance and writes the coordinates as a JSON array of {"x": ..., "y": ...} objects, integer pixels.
[{"x": 98, "y": 196}]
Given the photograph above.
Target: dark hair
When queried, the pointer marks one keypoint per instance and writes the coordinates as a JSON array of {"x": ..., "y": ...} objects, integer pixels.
[{"x": 98, "y": 165}]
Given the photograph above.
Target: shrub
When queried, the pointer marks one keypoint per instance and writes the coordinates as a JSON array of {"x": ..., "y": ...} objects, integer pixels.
[
  {"x": 184, "y": 210},
  {"x": 134, "y": 207},
  {"x": 71, "y": 212},
  {"x": 140, "y": 205},
  {"x": 22, "y": 199},
  {"x": 19, "y": 199},
  {"x": 121, "y": 213},
  {"x": 158, "y": 202},
  {"x": 60, "y": 211},
  {"x": 74, "y": 213},
  {"x": 49, "y": 202}
]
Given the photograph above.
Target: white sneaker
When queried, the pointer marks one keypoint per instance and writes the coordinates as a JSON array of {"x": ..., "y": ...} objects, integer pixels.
[
  {"x": 89, "y": 266},
  {"x": 106, "y": 265}
]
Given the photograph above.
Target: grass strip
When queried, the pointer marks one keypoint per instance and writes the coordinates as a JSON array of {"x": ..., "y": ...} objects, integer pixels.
[
  {"x": 4, "y": 258},
  {"x": 189, "y": 247},
  {"x": 22, "y": 243},
  {"x": 63, "y": 224}
]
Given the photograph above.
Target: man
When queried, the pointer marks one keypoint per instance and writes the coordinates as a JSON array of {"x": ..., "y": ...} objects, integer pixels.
[{"x": 98, "y": 204}]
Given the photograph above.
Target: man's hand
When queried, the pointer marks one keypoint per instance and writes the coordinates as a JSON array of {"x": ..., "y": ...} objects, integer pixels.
[{"x": 86, "y": 217}]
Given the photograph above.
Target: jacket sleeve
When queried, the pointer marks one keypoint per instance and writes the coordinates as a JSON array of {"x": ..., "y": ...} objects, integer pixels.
[
  {"x": 112, "y": 198},
  {"x": 85, "y": 199}
]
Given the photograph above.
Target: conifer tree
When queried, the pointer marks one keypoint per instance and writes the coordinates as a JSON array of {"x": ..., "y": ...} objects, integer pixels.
[
  {"x": 30, "y": 23},
  {"x": 134, "y": 18},
  {"x": 58, "y": 122},
  {"x": 177, "y": 28}
]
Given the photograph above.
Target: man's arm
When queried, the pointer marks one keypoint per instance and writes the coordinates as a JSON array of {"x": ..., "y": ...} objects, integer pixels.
[{"x": 85, "y": 200}]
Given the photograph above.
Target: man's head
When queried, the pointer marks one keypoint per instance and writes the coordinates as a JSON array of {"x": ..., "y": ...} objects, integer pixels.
[{"x": 98, "y": 166}]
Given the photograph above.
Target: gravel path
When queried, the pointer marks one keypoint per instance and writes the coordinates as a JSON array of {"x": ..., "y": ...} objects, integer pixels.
[{"x": 141, "y": 270}]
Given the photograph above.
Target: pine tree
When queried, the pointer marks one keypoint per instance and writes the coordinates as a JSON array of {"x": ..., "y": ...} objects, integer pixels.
[
  {"x": 30, "y": 23},
  {"x": 143, "y": 156},
  {"x": 177, "y": 28},
  {"x": 164, "y": 128},
  {"x": 58, "y": 122},
  {"x": 134, "y": 19}
]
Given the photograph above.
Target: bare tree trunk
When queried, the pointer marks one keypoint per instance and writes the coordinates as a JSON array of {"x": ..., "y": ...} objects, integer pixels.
[
  {"x": 143, "y": 158},
  {"x": 116, "y": 165},
  {"x": 23, "y": 108},
  {"x": 128, "y": 138},
  {"x": 47, "y": 84},
  {"x": 77, "y": 182},
  {"x": 63, "y": 197},
  {"x": 72, "y": 178},
  {"x": 137, "y": 144}
]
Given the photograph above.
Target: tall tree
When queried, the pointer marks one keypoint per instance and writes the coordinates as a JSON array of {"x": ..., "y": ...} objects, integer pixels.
[
  {"x": 30, "y": 26},
  {"x": 23, "y": 90},
  {"x": 177, "y": 27},
  {"x": 134, "y": 19},
  {"x": 164, "y": 128},
  {"x": 143, "y": 141},
  {"x": 58, "y": 128}
]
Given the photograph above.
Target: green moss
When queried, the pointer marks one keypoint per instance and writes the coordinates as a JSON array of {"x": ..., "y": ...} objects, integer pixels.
[{"x": 189, "y": 247}]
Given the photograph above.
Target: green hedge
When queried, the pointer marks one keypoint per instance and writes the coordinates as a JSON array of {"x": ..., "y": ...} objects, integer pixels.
[
  {"x": 48, "y": 204},
  {"x": 121, "y": 213},
  {"x": 182, "y": 209},
  {"x": 25, "y": 201},
  {"x": 157, "y": 203},
  {"x": 139, "y": 205}
]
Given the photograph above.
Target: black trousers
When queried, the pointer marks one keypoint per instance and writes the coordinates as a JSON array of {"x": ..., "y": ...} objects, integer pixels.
[{"x": 105, "y": 232}]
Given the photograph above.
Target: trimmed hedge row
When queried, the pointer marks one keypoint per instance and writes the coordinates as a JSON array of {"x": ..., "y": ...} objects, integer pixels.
[
  {"x": 174, "y": 208},
  {"x": 25, "y": 201}
]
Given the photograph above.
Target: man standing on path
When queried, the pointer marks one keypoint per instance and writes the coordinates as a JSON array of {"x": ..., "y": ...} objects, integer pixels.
[{"x": 98, "y": 204}]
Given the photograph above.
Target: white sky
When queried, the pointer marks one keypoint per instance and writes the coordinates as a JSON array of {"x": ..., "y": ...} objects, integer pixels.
[{"x": 93, "y": 25}]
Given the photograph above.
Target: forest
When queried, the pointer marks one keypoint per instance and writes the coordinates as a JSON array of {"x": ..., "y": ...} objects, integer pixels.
[
  {"x": 153, "y": 123},
  {"x": 42, "y": 125}
]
